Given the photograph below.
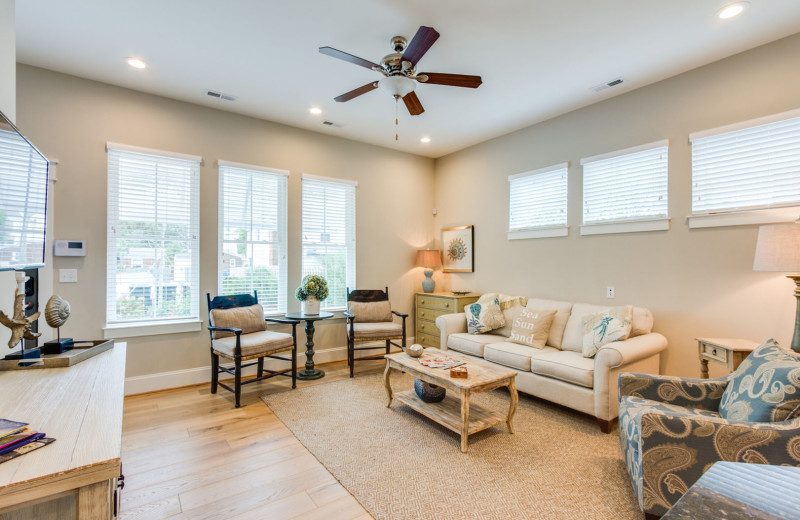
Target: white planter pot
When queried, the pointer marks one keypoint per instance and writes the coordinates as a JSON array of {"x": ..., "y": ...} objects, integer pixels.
[{"x": 311, "y": 305}]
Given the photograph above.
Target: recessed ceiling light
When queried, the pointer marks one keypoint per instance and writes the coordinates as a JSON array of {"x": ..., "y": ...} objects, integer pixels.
[
  {"x": 425, "y": 140},
  {"x": 136, "y": 63},
  {"x": 729, "y": 11},
  {"x": 315, "y": 110}
]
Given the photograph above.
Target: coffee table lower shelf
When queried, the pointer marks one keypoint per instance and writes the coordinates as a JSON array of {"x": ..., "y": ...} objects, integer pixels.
[{"x": 448, "y": 412}]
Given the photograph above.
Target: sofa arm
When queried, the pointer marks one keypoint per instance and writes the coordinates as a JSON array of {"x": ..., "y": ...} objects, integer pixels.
[
  {"x": 450, "y": 324},
  {"x": 667, "y": 449},
  {"x": 619, "y": 353},
  {"x": 680, "y": 391}
]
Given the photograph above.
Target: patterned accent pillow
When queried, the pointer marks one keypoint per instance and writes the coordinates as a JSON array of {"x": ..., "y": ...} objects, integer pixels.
[
  {"x": 483, "y": 317},
  {"x": 531, "y": 327},
  {"x": 602, "y": 328},
  {"x": 249, "y": 319},
  {"x": 765, "y": 387},
  {"x": 371, "y": 312}
]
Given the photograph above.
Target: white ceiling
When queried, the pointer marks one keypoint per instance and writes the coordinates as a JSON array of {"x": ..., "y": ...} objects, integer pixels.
[{"x": 538, "y": 58}]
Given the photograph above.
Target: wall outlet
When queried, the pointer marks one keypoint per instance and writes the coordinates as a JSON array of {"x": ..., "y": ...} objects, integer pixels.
[
  {"x": 68, "y": 275},
  {"x": 610, "y": 292}
]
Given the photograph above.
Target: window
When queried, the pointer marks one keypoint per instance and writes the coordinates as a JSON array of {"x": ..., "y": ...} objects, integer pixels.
[
  {"x": 329, "y": 235},
  {"x": 751, "y": 167},
  {"x": 252, "y": 233},
  {"x": 626, "y": 191},
  {"x": 538, "y": 203},
  {"x": 23, "y": 182},
  {"x": 152, "y": 236}
]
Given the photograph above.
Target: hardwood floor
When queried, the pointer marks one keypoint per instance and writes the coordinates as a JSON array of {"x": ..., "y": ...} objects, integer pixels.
[{"x": 188, "y": 454}]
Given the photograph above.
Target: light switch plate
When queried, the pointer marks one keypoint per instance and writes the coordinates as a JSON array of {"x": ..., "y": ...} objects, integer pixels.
[{"x": 68, "y": 275}]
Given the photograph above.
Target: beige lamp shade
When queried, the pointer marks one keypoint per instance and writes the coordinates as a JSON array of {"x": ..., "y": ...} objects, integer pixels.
[
  {"x": 778, "y": 248},
  {"x": 430, "y": 258}
]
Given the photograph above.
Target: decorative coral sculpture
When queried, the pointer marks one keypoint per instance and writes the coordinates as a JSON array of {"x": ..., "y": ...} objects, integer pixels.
[{"x": 20, "y": 324}]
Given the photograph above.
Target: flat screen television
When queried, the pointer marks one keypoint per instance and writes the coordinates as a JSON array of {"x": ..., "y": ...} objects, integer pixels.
[{"x": 23, "y": 200}]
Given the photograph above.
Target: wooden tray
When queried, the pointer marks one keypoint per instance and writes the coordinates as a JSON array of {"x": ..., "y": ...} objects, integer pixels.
[{"x": 82, "y": 351}]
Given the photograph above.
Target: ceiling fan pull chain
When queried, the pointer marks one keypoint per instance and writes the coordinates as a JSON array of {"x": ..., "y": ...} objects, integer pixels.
[{"x": 396, "y": 118}]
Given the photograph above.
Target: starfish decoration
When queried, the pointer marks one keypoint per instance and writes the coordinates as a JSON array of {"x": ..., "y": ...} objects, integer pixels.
[{"x": 20, "y": 324}]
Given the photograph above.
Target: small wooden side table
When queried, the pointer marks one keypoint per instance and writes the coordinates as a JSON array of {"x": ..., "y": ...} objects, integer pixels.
[
  {"x": 310, "y": 372},
  {"x": 726, "y": 351}
]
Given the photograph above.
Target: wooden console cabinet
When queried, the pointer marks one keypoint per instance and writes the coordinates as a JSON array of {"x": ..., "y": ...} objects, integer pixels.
[
  {"x": 81, "y": 407},
  {"x": 431, "y": 305}
]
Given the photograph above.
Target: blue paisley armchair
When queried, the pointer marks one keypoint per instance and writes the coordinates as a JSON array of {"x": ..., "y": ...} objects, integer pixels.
[{"x": 672, "y": 429}]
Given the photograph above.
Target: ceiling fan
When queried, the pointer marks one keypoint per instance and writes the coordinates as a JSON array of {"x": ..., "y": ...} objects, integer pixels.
[{"x": 399, "y": 70}]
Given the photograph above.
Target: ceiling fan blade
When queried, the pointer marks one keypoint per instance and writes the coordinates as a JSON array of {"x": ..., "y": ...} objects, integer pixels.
[
  {"x": 336, "y": 53},
  {"x": 420, "y": 43},
  {"x": 412, "y": 104},
  {"x": 347, "y": 96},
  {"x": 454, "y": 80}
]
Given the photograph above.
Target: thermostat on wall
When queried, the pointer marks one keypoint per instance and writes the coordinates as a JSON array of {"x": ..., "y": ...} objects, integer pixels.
[{"x": 69, "y": 248}]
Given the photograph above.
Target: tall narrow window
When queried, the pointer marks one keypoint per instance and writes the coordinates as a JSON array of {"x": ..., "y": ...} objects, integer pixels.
[
  {"x": 329, "y": 235},
  {"x": 754, "y": 165},
  {"x": 626, "y": 190},
  {"x": 538, "y": 203},
  {"x": 153, "y": 228},
  {"x": 252, "y": 233}
]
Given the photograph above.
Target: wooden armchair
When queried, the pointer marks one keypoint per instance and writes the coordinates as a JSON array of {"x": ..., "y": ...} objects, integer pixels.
[
  {"x": 239, "y": 333},
  {"x": 369, "y": 319}
]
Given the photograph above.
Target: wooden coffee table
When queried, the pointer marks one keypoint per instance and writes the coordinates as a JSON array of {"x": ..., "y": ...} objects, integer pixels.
[{"x": 454, "y": 413}]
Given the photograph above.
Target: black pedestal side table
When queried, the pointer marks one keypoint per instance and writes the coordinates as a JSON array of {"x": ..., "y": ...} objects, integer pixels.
[{"x": 310, "y": 372}]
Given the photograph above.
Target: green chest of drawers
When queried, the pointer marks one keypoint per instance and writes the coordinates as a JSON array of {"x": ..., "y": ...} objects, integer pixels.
[{"x": 429, "y": 306}]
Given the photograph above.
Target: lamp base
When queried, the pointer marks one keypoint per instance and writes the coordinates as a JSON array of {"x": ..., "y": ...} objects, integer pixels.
[
  {"x": 796, "y": 337},
  {"x": 428, "y": 284}
]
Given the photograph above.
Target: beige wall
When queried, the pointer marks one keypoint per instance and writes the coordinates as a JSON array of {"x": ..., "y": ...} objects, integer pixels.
[
  {"x": 72, "y": 119},
  {"x": 697, "y": 282}
]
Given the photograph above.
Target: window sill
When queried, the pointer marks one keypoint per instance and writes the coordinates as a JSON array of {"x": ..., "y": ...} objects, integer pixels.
[
  {"x": 150, "y": 328},
  {"x": 634, "y": 226},
  {"x": 745, "y": 218},
  {"x": 548, "y": 232}
]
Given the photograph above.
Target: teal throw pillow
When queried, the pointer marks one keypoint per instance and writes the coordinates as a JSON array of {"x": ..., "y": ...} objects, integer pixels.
[
  {"x": 483, "y": 317},
  {"x": 765, "y": 387}
]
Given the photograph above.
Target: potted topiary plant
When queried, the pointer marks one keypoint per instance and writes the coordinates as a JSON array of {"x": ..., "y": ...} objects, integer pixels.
[{"x": 312, "y": 290}]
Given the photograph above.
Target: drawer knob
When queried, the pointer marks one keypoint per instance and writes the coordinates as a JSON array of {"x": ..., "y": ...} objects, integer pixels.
[
  {"x": 422, "y": 313},
  {"x": 447, "y": 305},
  {"x": 422, "y": 327},
  {"x": 713, "y": 352},
  {"x": 422, "y": 302}
]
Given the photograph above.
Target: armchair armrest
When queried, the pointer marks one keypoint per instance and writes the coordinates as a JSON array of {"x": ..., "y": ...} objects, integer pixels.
[
  {"x": 400, "y": 314},
  {"x": 224, "y": 329},
  {"x": 282, "y": 320},
  {"x": 348, "y": 315},
  {"x": 680, "y": 391},
  {"x": 450, "y": 324}
]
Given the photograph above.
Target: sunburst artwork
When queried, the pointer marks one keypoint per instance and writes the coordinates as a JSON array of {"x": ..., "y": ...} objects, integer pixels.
[{"x": 459, "y": 252}]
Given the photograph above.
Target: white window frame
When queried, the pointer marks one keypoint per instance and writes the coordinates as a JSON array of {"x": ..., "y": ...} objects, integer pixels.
[
  {"x": 350, "y": 233},
  {"x": 254, "y": 172},
  {"x": 731, "y": 136},
  {"x": 115, "y": 328},
  {"x": 655, "y": 222},
  {"x": 554, "y": 179}
]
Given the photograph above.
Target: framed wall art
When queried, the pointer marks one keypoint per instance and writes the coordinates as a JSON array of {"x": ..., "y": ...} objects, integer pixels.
[{"x": 458, "y": 253}]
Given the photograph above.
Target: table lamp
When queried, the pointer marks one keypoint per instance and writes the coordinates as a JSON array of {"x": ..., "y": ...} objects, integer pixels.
[
  {"x": 430, "y": 259},
  {"x": 778, "y": 249}
]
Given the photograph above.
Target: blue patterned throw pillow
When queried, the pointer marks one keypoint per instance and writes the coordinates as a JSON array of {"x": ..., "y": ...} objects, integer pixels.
[
  {"x": 765, "y": 387},
  {"x": 483, "y": 317}
]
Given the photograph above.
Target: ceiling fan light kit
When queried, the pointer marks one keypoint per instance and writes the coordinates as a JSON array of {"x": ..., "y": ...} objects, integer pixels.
[{"x": 400, "y": 76}]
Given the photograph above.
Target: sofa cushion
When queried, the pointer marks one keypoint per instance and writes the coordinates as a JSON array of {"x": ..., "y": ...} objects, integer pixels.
[
  {"x": 565, "y": 365},
  {"x": 642, "y": 323},
  {"x": 380, "y": 330},
  {"x": 765, "y": 387},
  {"x": 255, "y": 343},
  {"x": 370, "y": 312},
  {"x": 483, "y": 317},
  {"x": 513, "y": 355},
  {"x": 471, "y": 343},
  {"x": 249, "y": 319},
  {"x": 563, "y": 309},
  {"x": 604, "y": 327},
  {"x": 531, "y": 327}
]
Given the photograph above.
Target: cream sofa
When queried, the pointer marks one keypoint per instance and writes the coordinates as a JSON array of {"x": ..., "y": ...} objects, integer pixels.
[{"x": 559, "y": 372}]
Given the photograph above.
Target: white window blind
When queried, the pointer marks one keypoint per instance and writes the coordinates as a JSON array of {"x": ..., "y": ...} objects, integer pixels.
[
  {"x": 23, "y": 182},
  {"x": 538, "y": 199},
  {"x": 329, "y": 235},
  {"x": 627, "y": 185},
  {"x": 748, "y": 166},
  {"x": 252, "y": 233},
  {"x": 153, "y": 236}
]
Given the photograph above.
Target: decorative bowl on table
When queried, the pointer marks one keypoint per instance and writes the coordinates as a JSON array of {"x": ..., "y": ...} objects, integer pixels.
[
  {"x": 414, "y": 350},
  {"x": 428, "y": 392}
]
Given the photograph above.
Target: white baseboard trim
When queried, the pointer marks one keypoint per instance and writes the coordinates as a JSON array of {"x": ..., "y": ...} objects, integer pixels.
[{"x": 194, "y": 376}]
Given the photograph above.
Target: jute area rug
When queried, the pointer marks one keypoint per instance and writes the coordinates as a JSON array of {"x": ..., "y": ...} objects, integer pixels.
[{"x": 402, "y": 466}]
